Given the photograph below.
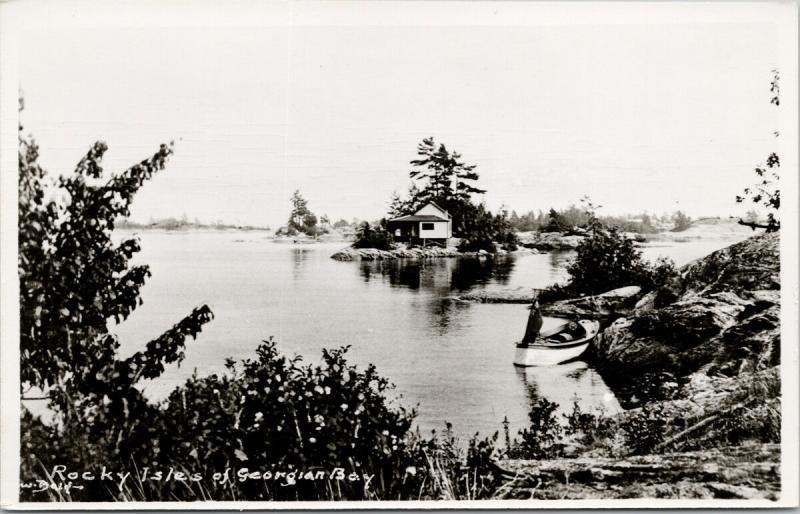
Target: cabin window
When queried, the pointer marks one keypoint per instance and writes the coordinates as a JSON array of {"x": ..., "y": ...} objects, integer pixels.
[{"x": 427, "y": 226}]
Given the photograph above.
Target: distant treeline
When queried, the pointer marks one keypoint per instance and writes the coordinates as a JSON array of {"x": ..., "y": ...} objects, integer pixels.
[
  {"x": 573, "y": 217},
  {"x": 183, "y": 224}
]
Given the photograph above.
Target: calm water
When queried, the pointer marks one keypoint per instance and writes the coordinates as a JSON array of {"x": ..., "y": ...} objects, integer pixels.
[{"x": 451, "y": 359}]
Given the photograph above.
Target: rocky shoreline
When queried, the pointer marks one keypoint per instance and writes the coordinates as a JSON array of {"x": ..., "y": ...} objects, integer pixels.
[
  {"x": 715, "y": 346},
  {"x": 750, "y": 471},
  {"x": 707, "y": 229},
  {"x": 402, "y": 252},
  {"x": 547, "y": 241},
  {"x": 726, "y": 314}
]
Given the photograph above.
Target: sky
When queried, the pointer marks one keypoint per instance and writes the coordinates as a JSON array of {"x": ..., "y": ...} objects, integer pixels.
[{"x": 641, "y": 115}]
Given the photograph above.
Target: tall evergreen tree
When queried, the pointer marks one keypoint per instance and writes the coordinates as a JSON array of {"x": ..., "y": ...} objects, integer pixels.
[
  {"x": 447, "y": 179},
  {"x": 302, "y": 219},
  {"x": 397, "y": 206}
]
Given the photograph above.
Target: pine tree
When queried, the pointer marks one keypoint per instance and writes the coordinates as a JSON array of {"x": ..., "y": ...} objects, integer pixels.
[
  {"x": 447, "y": 179},
  {"x": 302, "y": 219},
  {"x": 397, "y": 206}
]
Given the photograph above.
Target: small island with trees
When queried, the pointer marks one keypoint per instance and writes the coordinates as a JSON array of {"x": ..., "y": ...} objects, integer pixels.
[{"x": 442, "y": 180}]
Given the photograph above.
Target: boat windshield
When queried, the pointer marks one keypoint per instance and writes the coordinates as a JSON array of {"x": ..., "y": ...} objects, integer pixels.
[{"x": 553, "y": 326}]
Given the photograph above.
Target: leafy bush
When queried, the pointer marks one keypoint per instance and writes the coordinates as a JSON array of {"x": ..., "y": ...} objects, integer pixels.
[
  {"x": 663, "y": 278},
  {"x": 682, "y": 222},
  {"x": 373, "y": 237},
  {"x": 269, "y": 414},
  {"x": 557, "y": 222},
  {"x": 607, "y": 260},
  {"x": 542, "y": 439},
  {"x": 76, "y": 282},
  {"x": 287, "y": 231},
  {"x": 480, "y": 230},
  {"x": 590, "y": 428},
  {"x": 766, "y": 191},
  {"x": 645, "y": 430},
  {"x": 476, "y": 244},
  {"x": 275, "y": 412}
]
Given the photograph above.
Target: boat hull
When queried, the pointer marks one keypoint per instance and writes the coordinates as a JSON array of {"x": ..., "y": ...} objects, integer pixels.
[
  {"x": 546, "y": 352},
  {"x": 547, "y": 356}
]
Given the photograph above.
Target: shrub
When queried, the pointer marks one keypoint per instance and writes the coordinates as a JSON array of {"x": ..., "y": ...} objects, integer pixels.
[
  {"x": 287, "y": 231},
  {"x": 76, "y": 282},
  {"x": 663, "y": 278},
  {"x": 759, "y": 422},
  {"x": 477, "y": 244},
  {"x": 556, "y": 223},
  {"x": 590, "y": 428},
  {"x": 682, "y": 222},
  {"x": 480, "y": 230},
  {"x": 644, "y": 430},
  {"x": 373, "y": 237},
  {"x": 607, "y": 260},
  {"x": 542, "y": 439},
  {"x": 449, "y": 472},
  {"x": 268, "y": 414},
  {"x": 274, "y": 412}
]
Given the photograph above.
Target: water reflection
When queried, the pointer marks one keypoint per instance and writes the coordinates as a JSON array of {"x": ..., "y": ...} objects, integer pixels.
[
  {"x": 451, "y": 359},
  {"x": 299, "y": 259},
  {"x": 567, "y": 383},
  {"x": 446, "y": 315},
  {"x": 440, "y": 275},
  {"x": 471, "y": 272},
  {"x": 560, "y": 259}
]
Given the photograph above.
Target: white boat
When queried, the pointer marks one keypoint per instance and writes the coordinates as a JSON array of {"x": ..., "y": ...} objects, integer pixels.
[{"x": 560, "y": 344}]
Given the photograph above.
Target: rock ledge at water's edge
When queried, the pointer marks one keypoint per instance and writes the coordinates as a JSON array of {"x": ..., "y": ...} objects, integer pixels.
[
  {"x": 750, "y": 471},
  {"x": 718, "y": 347},
  {"x": 725, "y": 320},
  {"x": 401, "y": 252}
]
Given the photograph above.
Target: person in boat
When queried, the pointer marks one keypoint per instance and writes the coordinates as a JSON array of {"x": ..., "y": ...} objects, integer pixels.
[
  {"x": 573, "y": 332},
  {"x": 534, "y": 324}
]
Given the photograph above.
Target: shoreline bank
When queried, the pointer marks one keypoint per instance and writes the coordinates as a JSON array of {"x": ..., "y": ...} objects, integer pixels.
[{"x": 373, "y": 254}]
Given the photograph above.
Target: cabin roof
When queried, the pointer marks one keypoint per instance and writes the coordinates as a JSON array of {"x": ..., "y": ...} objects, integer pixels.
[
  {"x": 425, "y": 217},
  {"x": 419, "y": 217},
  {"x": 435, "y": 205}
]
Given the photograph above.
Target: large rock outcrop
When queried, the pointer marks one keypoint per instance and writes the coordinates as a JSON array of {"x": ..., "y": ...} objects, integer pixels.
[
  {"x": 602, "y": 306},
  {"x": 547, "y": 241},
  {"x": 605, "y": 306},
  {"x": 741, "y": 472},
  {"x": 373, "y": 254},
  {"x": 726, "y": 318},
  {"x": 706, "y": 364},
  {"x": 403, "y": 252}
]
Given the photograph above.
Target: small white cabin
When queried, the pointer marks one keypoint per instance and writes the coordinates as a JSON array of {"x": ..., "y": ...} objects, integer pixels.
[{"x": 430, "y": 224}]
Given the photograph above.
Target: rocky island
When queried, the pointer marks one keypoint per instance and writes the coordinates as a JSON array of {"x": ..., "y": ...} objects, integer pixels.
[{"x": 404, "y": 252}]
